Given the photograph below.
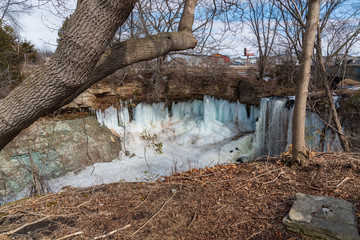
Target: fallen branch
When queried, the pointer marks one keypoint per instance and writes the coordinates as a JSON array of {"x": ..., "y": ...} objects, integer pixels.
[
  {"x": 192, "y": 220},
  {"x": 192, "y": 177},
  {"x": 25, "y": 201},
  {"x": 274, "y": 178},
  {"x": 254, "y": 234},
  {"x": 344, "y": 180},
  {"x": 23, "y": 226},
  {"x": 174, "y": 192},
  {"x": 45, "y": 215},
  {"x": 112, "y": 232},
  {"x": 70, "y": 235},
  {"x": 147, "y": 197}
]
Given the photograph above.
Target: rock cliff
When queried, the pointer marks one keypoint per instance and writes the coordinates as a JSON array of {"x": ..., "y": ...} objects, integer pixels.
[{"x": 175, "y": 86}]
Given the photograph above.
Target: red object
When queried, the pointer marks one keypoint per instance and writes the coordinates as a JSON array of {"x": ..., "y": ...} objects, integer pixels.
[
  {"x": 247, "y": 53},
  {"x": 218, "y": 57}
]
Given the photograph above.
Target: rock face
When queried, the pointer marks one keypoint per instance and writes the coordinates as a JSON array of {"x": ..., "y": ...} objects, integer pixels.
[
  {"x": 173, "y": 86},
  {"x": 320, "y": 217},
  {"x": 52, "y": 148}
]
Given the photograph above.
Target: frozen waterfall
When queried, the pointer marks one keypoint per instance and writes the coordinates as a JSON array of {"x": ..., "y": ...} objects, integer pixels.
[
  {"x": 274, "y": 130},
  {"x": 206, "y": 114},
  {"x": 211, "y": 121}
]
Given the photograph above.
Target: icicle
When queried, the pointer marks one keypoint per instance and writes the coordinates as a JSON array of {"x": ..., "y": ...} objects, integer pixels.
[
  {"x": 313, "y": 130},
  {"x": 124, "y": 116},
  {"x": 109, "y": 118},
  {"x": 209, "y": 111},
  {"x": 260, "y": 132},
  {"x": 331, "y": 142},
  {"x": 147, "y": 114},
  {"x": 289, "y": 131}
]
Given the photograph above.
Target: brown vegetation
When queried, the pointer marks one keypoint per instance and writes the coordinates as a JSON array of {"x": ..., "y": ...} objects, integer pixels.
[{"x": 246, "y": 201}]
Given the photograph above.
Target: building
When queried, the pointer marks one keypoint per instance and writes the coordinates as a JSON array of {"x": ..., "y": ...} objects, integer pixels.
[{"x": 218, "y": 58}]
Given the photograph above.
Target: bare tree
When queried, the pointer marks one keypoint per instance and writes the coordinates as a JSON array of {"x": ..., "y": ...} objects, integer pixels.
[
  {"x": 292, "y": 25},
  {"x": 82, "y": 59},
  {"x": 11, "y": 10},
  {"x": 340, "y": 29},
  {"x": 155, "y": 16},
  {"x": 299, "y": 154},
  {"x": 323, "y": 75},
  {"x": 146, "y": 19},
  {"x": 262, "y": 16},
  {"x": 151, "y": 17}
]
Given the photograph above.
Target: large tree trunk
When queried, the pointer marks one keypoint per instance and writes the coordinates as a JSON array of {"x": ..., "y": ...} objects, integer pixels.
[
  {"x": 299, "y": 154},
  {"x": 81, "y": 60},
  {"x": 323, "y": 75}
]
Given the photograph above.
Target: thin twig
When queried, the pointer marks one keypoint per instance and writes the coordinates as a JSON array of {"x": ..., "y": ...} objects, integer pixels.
[
  {"x": 23, "y": 226},
  {"x": 274, "y": 178},
  {"x": 70, "y": 235},
  {"x": 254, "y": 234},
  {"x": 154, "y": 215},
  {"x": 344, "y": 180},
  {"x": 260, "y": 175},
  {"x": 112, "y": 232},
  {"x": 220, "y": 208},
  {"x": 81, "y": 204},
  {"x": 142, "y": 202},
  {"x": 192, "y": 220}
]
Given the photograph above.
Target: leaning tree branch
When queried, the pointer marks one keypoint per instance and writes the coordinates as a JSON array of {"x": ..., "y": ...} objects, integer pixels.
[
  {"x": 81, "y": 60},
  {"x": 135, "y": 50}
]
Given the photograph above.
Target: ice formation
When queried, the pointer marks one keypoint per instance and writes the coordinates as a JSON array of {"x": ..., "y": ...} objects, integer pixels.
[
  {"x": 217, "y": 120},
  {"x": 206, "y": 114},
  {"x": 273, "y": 133},
  {"x": 194, "y": 134}
]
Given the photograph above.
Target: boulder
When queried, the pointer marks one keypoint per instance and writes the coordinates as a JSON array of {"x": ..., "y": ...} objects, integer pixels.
[{"x": 321, "y": 217}]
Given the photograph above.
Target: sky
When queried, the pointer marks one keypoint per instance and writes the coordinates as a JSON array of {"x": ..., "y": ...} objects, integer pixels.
[
  {"x": 41, "y": 26},
  {"x": 35, "y": 30}
]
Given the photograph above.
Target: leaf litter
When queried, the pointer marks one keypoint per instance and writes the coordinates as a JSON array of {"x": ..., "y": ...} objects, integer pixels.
[{"x": 234, "y": 201}]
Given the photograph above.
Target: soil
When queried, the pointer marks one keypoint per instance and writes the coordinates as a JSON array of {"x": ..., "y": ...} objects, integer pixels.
[{"x": 234, "y": 201}]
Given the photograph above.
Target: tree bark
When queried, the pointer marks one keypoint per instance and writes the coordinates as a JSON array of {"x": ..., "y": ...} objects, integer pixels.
[
  {"x": 299, "y": 154},
  {"x": 81, "y": 60},
  {"x": 329, "y": 96}
]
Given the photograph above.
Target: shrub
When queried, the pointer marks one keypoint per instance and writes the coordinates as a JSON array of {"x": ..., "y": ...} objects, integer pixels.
[{"x": 13, "y": 53}]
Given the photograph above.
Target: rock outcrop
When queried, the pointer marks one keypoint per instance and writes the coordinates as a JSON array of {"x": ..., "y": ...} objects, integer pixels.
[
  {"x": 173, "y": 86},
  {"x": 52, "y": 148},
  {"x": 321, "y": 217}
]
